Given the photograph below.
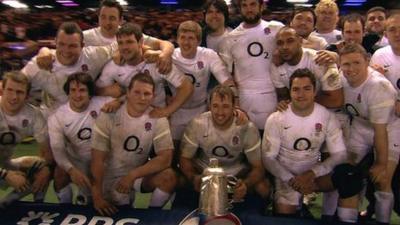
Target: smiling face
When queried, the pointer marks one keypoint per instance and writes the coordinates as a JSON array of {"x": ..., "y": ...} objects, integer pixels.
[
  {"x": 354, "y": 67},
  {"x": 109, "y": 21},
  {"x": 353, "y": 32},
  {"x": 392, "y": 32},
  {"x": 302, "y": 93},
  {"x": 140, "y": 96},
  {"x": 14, "y": 96},
  {"x": 188, "y": 43},
  {"x": 375, "y": 22},
  {"x": 68, "y": 47},
  {"x": 222, "y": 109},
  {"x": 303, "y": 23},
  {"x": 78, "y": 96},
  {"x": 288, "y": 44},
  {"x": 214, "y": 18},
  {"x": 129, "y": 48}
]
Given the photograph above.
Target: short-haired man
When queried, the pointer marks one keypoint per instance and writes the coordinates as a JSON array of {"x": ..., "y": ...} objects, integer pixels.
[
  {"x": 19, "y": 120},
  {"x": 215, "y": 134},
  {"x": 327, "y": 13},
  {"x": 130, "y": 45},
  {"x": 70, "y": 56},
  {"x": 197, "y": 63},
  {"x": 294, "y": 56},
  {"x": 70, "y": 131},
  {"x": 250, "y": 48},
  {"x": 121, "y": 146},
  {"x": 110, "y": 18},
  {"x": 303, "y": 22},
  {"x": 375, "y": 24},
  {"x": 292, "y": 143},
  {"x": 370, "y": 99}
]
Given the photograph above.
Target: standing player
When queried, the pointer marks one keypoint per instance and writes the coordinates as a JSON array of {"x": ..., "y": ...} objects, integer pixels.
[
  {"x": 109, "y": 19},
  {"x": 375, "y": 24},
  {"x": 130, "y": 45},
  {"x": 18, "y": 120},
  {"x": 295, "y": 57},
  {"x": 292, "y": 142},
  {"x": 370, "y": 100},
  {"x": 249, "y": 47},
  {"x": 327, "y": 13},
  {"x": 197, "y": 63},
  {"x": 70, "y": 57},
  {"x": 121, "y": 144},
  {"x": 70, "y": 131},
  {"x": 215, "y": 134}
]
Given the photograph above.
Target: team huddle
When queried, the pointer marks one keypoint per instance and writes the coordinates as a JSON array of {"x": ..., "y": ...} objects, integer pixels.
[{"x": 298, "y": 109}]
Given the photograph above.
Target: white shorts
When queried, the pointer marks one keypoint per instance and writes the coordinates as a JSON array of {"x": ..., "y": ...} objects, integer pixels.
[
  {"x": 182, "y": 117},
  {"x": 361, "y": 141},
  {"x": 258, "y": 106}
]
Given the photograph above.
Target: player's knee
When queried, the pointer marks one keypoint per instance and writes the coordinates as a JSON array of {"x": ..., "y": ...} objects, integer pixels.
[
  {"x": 263, "y": 188},
  {"x": 167, "y": 180},
  {"x": 347, "y": 180}
]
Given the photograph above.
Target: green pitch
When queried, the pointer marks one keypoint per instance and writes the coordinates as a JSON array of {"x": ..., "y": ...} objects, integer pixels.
[{"x": 143, "y": 199}]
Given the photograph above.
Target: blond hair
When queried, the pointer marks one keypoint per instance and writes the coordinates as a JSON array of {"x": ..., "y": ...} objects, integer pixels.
[
  {"x": 190, "y": 26},
  {"x": 326, "y": 4}
]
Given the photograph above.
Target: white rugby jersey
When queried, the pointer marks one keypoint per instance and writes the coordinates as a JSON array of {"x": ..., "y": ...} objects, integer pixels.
[
  {"x": 128, "y": 140},
  {"x": 386, "y": 58},
  {"x": 198, "y": 70},
  {"x": 91, "y": 61},
  {"x": 93, "y": 37},
  {"x": 123, "y": 75},
  {"x": 70, "y": 132},
  {"x": 295, "y": 141},
  {"x": 251, "y": 49},
  {"x": 213, "y": 42},
  {"x": 13, "y": 129},
  {"x": 371, "y": 102},
  {"x": 232, "y": 147},
  {"x": 326, "y": 81},
  {"x": 331, "y": 37}
]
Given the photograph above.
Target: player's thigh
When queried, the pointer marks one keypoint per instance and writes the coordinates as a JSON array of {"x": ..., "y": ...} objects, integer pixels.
[{"x": 165, "y": 180}]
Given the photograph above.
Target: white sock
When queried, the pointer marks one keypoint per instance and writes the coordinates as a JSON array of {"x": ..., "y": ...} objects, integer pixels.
[
  {"x": 65, "y": 194},
  {"x": 159, "y": 198},
  {"x": 329, "y": 203},
  {"x": 383, "y": 206},
  {"x": 347, "y": 215}
]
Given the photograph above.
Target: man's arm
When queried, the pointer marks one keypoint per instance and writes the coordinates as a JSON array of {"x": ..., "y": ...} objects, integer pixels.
[
  {"x": 183, "y": 92},
  {"x": 164, "y": 62},
  {"x": 332, "y": 95},
  {"x": 378, "y": 169}
]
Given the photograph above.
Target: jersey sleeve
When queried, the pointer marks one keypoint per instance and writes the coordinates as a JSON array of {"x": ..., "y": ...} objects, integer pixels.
[
  {"x": 271, "y": 144},
  {"x": 175, "y": 77},
  {"x": 102, "y": 133},
  {"x": 217, "y": 66},
  {"x": 189, "y": 142},
  {"x": 100, "y": 55},
  {"x": 162, "y": 136},
  {"x": 226, "y": 54},
  {"x": 276, "y": 77},
  {"x": 107, "y": 75},
  {"x": 57, "y": 143},
  {"x": 252, "y": 146},
  {"x": 381, "y": 102}
]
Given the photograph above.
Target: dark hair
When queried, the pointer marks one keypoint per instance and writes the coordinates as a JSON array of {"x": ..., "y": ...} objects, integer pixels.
[
  {"x": 220, "y": 5},
  {"x": 302, "y": 9},
  {"x": 83, "y": 78},
  {"x": 18, "y": 77},
  {"x": 112, "y": 4},
  {"x": 259, "y": 1},
  {"x": 352, "y": 18},
  {"x": 222, "y": 91},
  {"x": 353, "y": 48},
  {"x": 301, "y": 73},
  {"x": 71, "y": 28},
  {"x": 130, "y": 29},
  {"x": 142, "y": 77},
  {"x": 377, "y": 9},
  {"x": 285, "y": 28}
]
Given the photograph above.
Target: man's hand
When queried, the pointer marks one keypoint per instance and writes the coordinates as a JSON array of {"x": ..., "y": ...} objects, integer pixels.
[
  {"x": 79, "y": 178},
  {"x": 164, "y": 63},
  {"x": 379, "y": 68},
  {"x": 45, "y": 59},
  {"x": 241, "y": 116},
  {"x": 112, "y": 106},
  {"x": 17, "y": 180},
  {"x": 282, "y": 105},
  {"x": 103, "y": 207},
  {"x": 378, "y": 172},
  {"x": 125, "y": 184},
  {"x": 151, "y": 56},
  {"x": 117, "y": 58},
  {"x": 303, "y": 183},
  {"x": 276, "y": 58},
  {"x": 240, "y": 190},
  {"x": 41, "y": 180},
  {"x": 159, "y": 113},
  {"x": 325, "y": 58}
]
